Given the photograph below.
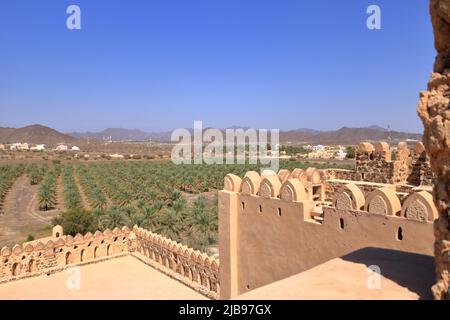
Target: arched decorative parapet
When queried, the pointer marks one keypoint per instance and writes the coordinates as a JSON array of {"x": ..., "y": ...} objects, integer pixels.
[
  {"x": 313, "y": 175},
  {"x": 300, "y": 175},
  {"x": 365, "y": 147},
  {"x": 116, "y": 231},
  {"x": 270, "y": 187},
  {"x": 250, "y": 183},
  {"x": 28, "y": 248},
  {"x": 383, "y": 150},
  {"x": 39, "y": 246},
  {"x": 199, "y": 259},
  {"x": 60, "y": 243},
  {"x": 283, "y": 175},
  {"x": 69, "y": 240},
  {"x": 293, "y": 191},
  {"x": 125, "y": 230},
  {"x": 98, "y": 234},
  {"x": 17, "y": 249},
  {"x": 231, "y": 183},
  {"x": 50, "y": 244},
  {"x": 383, "y": 201},
  {"x": 107, "y": 233},
  {"x": 214, "y": 264},
  {"x": 419, "y": 206},
  {"x": 402, "y": 151},
  {"x": 207, "y": 262},
  {"x": 382, "y": 146},
  {"x": 79, "y": 238},
  {"x": 5, "y": 252},
  {"x": 88, "y": 236},
  {"x": 349, "y": 197}
]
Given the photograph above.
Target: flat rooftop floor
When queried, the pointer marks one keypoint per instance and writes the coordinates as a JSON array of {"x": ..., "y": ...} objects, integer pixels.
[
  {"x": 404, "y": 276},
  {"x": 119, "y": 278}
]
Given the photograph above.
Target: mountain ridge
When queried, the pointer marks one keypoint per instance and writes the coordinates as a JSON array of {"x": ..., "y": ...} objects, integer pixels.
[
  {"x": 301, "y": 135},
  {"x": 35, "y": 134}
]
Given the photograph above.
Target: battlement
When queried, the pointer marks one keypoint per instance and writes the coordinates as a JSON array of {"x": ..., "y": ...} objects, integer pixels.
[
  {"x": 193, "y": 267},
  {"x": 275, "y": 225},
  {"x": 58, "y": 252},
  {"x": 376, "y": 164}
]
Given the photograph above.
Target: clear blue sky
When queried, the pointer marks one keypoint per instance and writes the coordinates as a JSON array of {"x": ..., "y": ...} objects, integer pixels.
[{"x": 161, "y": 64}]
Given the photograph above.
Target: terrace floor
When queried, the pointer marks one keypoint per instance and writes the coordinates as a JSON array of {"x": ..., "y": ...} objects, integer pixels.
[
  {"x": 121, "y": 278},
  {"x": 404, "y": 276}
]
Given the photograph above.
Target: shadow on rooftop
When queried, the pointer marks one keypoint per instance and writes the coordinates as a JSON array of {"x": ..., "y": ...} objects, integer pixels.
[{"x": 415, "y": 272}]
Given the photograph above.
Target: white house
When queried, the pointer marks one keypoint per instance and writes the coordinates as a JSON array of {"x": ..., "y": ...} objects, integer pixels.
[
  {"x": 2, "y": 146},
  {"x": 19, "y": 146},
  {"x": 116, "y": 156},
  {"x": 38, "y": 147},
  {"x": 318, "y": 147},
  {"x": 62, "y": 147},
  {"x": 340, "y": 155},
  {"x": 75, "y": 148}
]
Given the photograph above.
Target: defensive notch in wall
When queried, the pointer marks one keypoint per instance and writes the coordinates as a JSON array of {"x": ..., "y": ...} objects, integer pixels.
[{"x": 275, "y": 225}]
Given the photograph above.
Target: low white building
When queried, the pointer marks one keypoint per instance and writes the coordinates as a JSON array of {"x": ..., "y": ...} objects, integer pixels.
[
  {"x": 341, "y": 155},
  {"x": 2, "y": 146},
  {"x": 61, "y": 147},
  {"x": 318, "y": 147},
  {"x": 75, "y": 148},
  {"x": 116, "y": 156},
  {"x": 38, "y": 147},
  {"x": 19, "y": 146}
]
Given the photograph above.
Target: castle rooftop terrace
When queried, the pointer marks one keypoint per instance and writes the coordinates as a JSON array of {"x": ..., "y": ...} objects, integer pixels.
[
  {"x": 346, "y": 278},
  {"x": 120, "y": 278}
]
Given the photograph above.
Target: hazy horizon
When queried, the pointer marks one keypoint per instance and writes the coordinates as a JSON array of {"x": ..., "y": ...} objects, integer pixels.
[{"x": 207, "y": 126}]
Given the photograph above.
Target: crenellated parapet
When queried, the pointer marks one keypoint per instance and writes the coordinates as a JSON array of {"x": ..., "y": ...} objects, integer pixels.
[
  {"x": 59, "y": 251},
  {"x": 193, "y": 267},
  {"x": 417, "y": 206},
  {"x": 295, "y": 186},
  {"x": 275, "y": 225},
  {"x": 376, "y": 164},
  {"x": 55, "y": 253}
]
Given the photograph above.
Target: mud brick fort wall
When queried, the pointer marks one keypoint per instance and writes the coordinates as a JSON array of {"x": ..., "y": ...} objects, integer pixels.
[{"x": 275, "y": 225}]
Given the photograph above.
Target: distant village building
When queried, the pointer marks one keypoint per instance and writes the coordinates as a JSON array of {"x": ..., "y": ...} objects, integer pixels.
[
  {"x": 341, "y": 155},
  {"x": 116, "y": 156},
  {"x": 75, "y": 148},
  {"x": 2, "y": 146},
  {"x": 318, "y": 147},
  {"x": 61, "y": 148},
  {"x": 19, "y": 146},
  {"x": 38, "y": 147}
]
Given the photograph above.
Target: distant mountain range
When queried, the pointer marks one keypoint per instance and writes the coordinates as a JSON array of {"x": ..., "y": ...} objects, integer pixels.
[
  {"x": 347, "y": 135},
  {"x": 41, "y": 134},
  {"x": 302, "y": 135},
  {"x": 120, "y": 134}
]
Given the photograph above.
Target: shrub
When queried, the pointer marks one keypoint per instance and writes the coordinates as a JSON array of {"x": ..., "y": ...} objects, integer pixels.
[{"x": 77, "y": 221}]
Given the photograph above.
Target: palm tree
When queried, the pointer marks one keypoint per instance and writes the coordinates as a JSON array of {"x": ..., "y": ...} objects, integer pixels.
[
  {"x": 47, "y": 199},
  {"x": 113, "y": 218}
]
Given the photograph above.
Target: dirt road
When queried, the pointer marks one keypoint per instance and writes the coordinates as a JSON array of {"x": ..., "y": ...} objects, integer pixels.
[{"x": 21, "y": 215}]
